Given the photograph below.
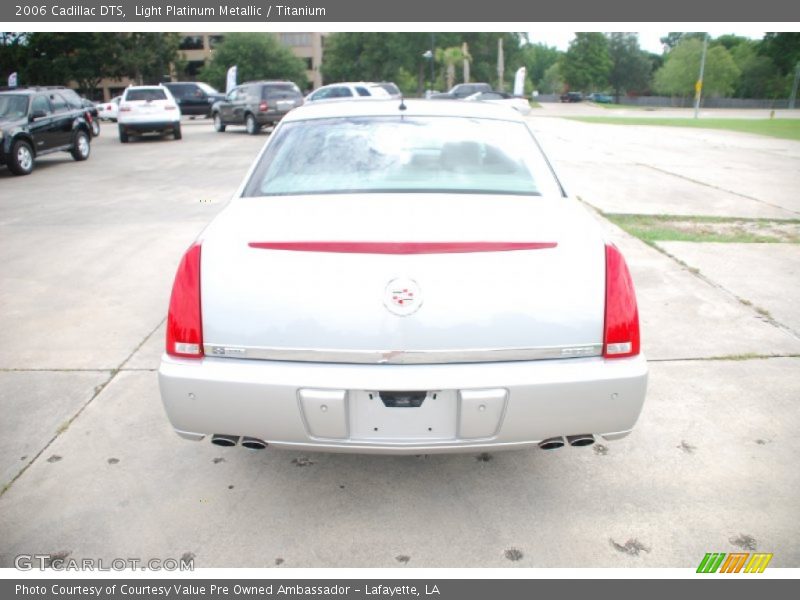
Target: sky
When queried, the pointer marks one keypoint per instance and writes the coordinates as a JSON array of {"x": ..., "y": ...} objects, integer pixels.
[{"x": 648, "y": 40}]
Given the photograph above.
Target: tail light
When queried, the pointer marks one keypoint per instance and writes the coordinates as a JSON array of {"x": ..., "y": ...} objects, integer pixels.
[
  {"x": 264, "y": 106},
  {"x": 621, "y": 332},
  {"x": 184, "y": 321},
  {"x": 88, "y": 117}
]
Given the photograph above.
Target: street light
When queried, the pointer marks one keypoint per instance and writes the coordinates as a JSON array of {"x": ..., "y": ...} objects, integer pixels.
[
  {"x": 698, "y": 88},
  {"x": 428, "y": 55}
]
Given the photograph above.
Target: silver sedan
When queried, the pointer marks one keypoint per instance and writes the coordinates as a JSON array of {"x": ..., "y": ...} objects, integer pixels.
[{"x": 402, "y": 277}]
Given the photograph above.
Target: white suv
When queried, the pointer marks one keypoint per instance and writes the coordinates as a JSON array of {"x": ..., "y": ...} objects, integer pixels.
[
  {"x": 148, "y": 109},
  {"x": 351, "y": 90}
]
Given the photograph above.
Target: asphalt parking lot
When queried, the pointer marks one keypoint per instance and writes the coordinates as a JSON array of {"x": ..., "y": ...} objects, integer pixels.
[{"x": 90, "y": 468}]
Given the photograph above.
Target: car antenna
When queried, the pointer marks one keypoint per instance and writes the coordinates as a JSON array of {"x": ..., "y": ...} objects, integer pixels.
[{"x": 402, "y": 103}]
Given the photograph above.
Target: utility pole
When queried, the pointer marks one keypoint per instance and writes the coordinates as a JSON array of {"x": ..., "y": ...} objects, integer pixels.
[
  {"x": 698, "y": 87},
  {"x": 793, "y": 97}
]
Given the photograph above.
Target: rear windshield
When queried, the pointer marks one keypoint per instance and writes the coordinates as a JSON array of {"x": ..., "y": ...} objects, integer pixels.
[
  {"x": 146, "y": 95},
  {"x": 280, "y": 90},
  {"x": 402, "y": 154},
  {"x": 13, "y": 107}
]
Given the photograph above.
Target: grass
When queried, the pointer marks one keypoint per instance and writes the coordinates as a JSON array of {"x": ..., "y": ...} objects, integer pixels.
[
  {"x": 788, "y": 129},
  {"x": 672, "y": 228}
]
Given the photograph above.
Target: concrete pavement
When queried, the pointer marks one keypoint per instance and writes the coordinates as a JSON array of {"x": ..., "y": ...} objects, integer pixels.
[{"x": 88, "y": 252}]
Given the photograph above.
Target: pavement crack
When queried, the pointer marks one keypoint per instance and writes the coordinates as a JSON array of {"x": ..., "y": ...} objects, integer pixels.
[
  {"x": 716, "y": 187},
  {"x": 97, "y": 391}
]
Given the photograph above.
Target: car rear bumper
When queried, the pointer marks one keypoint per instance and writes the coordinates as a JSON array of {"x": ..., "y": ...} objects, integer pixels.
[
  {"x": 149, "y": 126},
  {"x": 328, "y": 407}
]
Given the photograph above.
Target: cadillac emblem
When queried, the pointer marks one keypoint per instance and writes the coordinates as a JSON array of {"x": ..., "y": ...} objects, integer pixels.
[{"x": 402, "y": 297}]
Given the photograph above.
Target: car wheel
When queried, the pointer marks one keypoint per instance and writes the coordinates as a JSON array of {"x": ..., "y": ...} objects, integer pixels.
[
  {"x": 21, "y": 160},
  {"x": 80, "y": 145},
  {"x": 251, "y": 125},
  {"x": 218, "y": 124},
  {"x": 176, "y": 132},
  {"x": 123, "y": 135},
  {"x": 95, "y": 127}
]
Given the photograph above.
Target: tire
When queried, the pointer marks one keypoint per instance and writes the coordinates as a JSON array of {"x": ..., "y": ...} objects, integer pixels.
[
  {"x": 95, "y": 127},
  {"x": 81, "y": 147},
  {"x": 123, "y": 135},
  {"x": 176, "y": 132},
  {"x": 218, "y": 124},
  {"x": 251, "y": 125},
  {"x": 21, "y": 160}
]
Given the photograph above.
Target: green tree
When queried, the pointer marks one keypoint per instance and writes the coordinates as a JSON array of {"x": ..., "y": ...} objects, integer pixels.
[
  {"x": 538, "y": 58},
  {"x": 586, "y": 64},
  {"x": 784, "y": 50},
  {"x": 450, "y": 57},
  {"x": 149, "y": 57},
  {"x": 673, "y": 38},
  {"x": 552, "y": 82},
  {"x": 682, "y": 67},
  {"x": 83, "y": 57},
  {"x": 256, "y": 56},
  {"x": 364, "y": 56},
  {"x": 759, "y": 77},
  {"x": 630, "y": 66}
]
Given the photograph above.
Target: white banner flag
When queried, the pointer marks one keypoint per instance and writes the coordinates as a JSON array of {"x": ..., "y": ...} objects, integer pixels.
[
  {"x": 519, "y": 81},
  {"x": 12, "y": 80},
  {"x": 230, "y": 80}
]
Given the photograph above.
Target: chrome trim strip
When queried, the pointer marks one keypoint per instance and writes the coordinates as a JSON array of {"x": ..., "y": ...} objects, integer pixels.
[{"x": 403, "y": 357}]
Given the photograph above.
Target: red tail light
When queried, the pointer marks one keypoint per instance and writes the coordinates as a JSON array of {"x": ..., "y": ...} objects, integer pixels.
[
  {"x": 621, "y": 333},
  {"x": 89, "y": 117},
  {"x": 184, "y": 322},
  {"x": 263, "y": 107}
]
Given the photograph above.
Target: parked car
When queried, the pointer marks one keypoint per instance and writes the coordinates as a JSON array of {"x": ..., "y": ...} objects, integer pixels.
[
  {"x": 402, "y": 278},
  {"x": 521, "y": 105},
  {"x": 256, "y": 104},
  {"x": 391, "y": 89},
  {"x": 462, "y": 90},
  {"x": 148, "y": 109},
  {"x": 108, "y": 111},
  {"x": 358, "y": 90},
  {"x": 194, "y": 98},
  {"x": 39, "y": 121},
  {"x": 600, "y": 98},
  {"x": 572, "y": 97},
  {"x": 75, "y": 100}
]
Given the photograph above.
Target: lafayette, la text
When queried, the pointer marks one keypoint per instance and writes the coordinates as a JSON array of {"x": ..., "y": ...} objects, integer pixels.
[{"x": 193, "y": 590}]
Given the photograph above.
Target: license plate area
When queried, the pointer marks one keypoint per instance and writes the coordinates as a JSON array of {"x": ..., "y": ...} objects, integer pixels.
[{"x": 403, "y": 415}]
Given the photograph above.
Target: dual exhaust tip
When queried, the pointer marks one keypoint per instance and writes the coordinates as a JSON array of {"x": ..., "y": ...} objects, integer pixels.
[
  {"x": 577, "y": 441},
  {"x": 583, "y": 439},
  {"x": 221, "y": 439}
]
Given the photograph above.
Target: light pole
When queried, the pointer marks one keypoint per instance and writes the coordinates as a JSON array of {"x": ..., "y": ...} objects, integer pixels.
[
  {"x": 793, "y": 97},
  {"x": 698, "y": 87},
  {"x": 428, "y": 55}
]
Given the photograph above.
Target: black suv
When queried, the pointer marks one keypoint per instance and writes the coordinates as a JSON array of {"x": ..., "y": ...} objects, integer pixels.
[
  {"x": 36, "y": 121},
  {"x": 571, "y": 97},
  {"x": 255, "y": 104},
  {"x": 194, "y": 98}
]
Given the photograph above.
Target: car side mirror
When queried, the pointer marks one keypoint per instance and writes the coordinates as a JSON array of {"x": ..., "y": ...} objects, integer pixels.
[{"x": 38, "y": 114}]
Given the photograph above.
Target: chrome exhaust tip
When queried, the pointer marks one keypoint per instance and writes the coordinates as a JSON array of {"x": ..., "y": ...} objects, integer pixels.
[
  {"x": 584, "y": 439},
  {"x": 221, "y": 439},
  {"x": 253, "y": 443},
  {"x": 552, "y": 443}
]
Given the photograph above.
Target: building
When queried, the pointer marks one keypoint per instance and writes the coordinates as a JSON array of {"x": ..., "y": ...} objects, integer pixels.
[{"x": 198, "y": 47}]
